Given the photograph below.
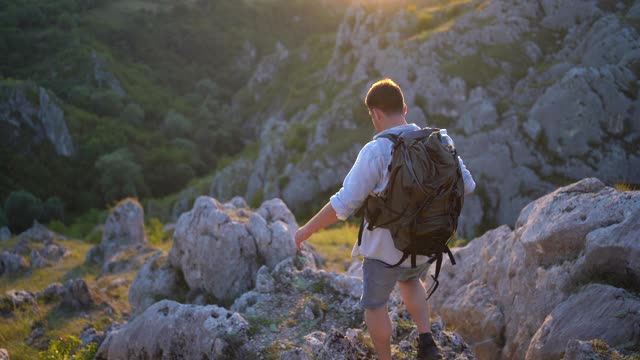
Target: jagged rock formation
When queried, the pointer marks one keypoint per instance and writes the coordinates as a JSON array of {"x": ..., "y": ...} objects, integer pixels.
[
  {"x": 215, "y": 244},
  {"x": 216, "y": 252},
  {"x": 13, "y": 260},
  {"x": 11, "y": 263},
  {"x": 124, "y": 243},
  {"x": 567, "y": 271},
  {"x": 545, "y": 92},
  {"x": 29, "y": 114},
  {"x": 169, "y": 329}
]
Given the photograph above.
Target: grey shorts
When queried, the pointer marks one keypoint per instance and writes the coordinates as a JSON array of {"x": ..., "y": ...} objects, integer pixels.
[{"x": 378, "y": 280}]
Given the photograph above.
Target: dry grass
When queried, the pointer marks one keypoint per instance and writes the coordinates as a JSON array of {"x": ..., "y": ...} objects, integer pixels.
[
  {"x": 334, "y": 244},
  {"x": 625, "y": 187}
]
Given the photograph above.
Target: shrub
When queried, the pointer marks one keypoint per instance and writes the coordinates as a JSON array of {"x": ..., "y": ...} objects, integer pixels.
[
  {"x": 132, "y": 114},
  {"x": 155, "y": 231},
  {"x": 53, "y": 209},
  {"x": 68, "y": 348},
  {"x": 120, "y": 175},
  {"x": 21, "y": 208},
  {"x": 177, "y": 124},
  {"x": 80, "y": 96},
  {"x": 106, "y": 103},
  {"x": 3, "y": 218}
]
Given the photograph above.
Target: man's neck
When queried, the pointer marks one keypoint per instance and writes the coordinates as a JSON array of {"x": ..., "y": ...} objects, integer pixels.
[{"x": 393, "y": 122}]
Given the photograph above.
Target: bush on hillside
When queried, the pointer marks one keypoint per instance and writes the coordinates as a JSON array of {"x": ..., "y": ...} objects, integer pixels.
[
  {"x": 106, "y": 103},
  {"x": 21, "y": 208},
  {"x": 177, "y": 124},
  {"x": 69, "y": 348},
  {"x": 120, "y": 175},
  {"x": 3, "y": 218},
  {"x": 132, "y": 114},
  {"x": 53, "y": 209}
]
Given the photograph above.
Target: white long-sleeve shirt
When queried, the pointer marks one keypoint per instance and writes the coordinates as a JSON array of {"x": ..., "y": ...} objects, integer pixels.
[{"x": 370, "y": 175}]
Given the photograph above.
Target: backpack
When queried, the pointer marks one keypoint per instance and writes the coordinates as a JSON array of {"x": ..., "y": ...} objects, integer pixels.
[{"x": 421, "y": 203}]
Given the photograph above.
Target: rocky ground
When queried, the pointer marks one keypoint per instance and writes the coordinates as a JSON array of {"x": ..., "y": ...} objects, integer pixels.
[
  {"x": 563, "y": 283},
  {"x": 567, "y": 271}
]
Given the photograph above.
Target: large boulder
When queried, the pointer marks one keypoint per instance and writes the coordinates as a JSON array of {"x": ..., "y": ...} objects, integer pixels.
[
  {"x": 170, "y": 330},
  {"x": 11, "y": 263},
  {"x": 613, "y": 315},
  {"x": 156, "y": 279},
  {"x": 216, "y": 254},
  {"x": 506, "y": 283},
  {"x": 76, "y": 295},
  {"x": 220, "y": 247},
  {"x": 124, "y": 244}
]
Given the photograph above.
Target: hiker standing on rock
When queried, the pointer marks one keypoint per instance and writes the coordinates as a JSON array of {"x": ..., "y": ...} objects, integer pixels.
[{"x": 364, "y": 188}]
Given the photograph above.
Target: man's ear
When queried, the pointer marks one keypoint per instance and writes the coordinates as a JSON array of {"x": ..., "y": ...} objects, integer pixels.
[{"x": 404, "y": 109}]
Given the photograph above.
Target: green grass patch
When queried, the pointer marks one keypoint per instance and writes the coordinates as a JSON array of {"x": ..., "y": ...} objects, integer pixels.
[
  {"x": 334, "y": 244},
  {"x": 38, "y": 279},
  {"x": 13, "y": 332}
]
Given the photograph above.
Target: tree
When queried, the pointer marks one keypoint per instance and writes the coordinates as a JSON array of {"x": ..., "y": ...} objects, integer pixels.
[
  {"x": 21, "y": 208},
  {"x": 133, "y": 114},
  {"x": 177, "y": 124},
  {"x": 106, "y": 102},
  {"x": 120, "y": 176},
  {"x": 53, "y": 209}
]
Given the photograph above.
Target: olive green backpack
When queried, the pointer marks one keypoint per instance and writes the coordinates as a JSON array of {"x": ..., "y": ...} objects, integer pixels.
[{"x": 422, "y": 201}]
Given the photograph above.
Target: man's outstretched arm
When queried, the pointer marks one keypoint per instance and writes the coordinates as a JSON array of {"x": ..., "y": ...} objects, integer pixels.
[
  {"x": 361, "y": 179},
  {"x": 325, "y": 217}
]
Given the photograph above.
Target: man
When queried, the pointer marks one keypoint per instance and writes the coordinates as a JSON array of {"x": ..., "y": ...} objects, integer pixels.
[{"x": 369, "y": 175}]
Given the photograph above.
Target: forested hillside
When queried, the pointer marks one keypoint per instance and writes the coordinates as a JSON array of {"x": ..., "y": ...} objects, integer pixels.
[{"x": 105, "y": 99}]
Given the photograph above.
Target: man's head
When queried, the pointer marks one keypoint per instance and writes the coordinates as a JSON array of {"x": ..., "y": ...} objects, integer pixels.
[{"x": 386, "y": 104}]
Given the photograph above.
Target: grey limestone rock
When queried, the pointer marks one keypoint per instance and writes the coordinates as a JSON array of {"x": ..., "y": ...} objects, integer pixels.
[
  {"x": 32, "y": 112},
  {"x": 506, "y": 283},
  {"x": 169, "y": 330},
  {"x": 11, "y": 263},
  {"x": 5, "y": 233},
  {"x": 596, "y": 312},
  {"x": 216, "y": 254}
]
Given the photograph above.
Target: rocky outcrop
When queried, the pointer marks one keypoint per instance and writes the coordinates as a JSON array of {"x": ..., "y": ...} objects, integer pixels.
[
  {"x": 219, "y": 251},
  {"x": 14, "y": 300},
  {"x": 103, "y": 77},
  {"x": 544, "y": 92},
  {"x": 169, "y": 330},
  {"x": 76, "y": 295},
  {"x": 11, "y": 263},
  {"x": 124, "y": 243},
  {"x": 567, "y": 271},
  {"x": 215, "y": 245},
  {"x": 48, "y": 254},
  {"x": 5, "y": 233},
  {"x": 29, "y": 114},
  {"x": 39, "y": 233},
  {"x": 604, "y": 304},
  {"x": 156, "y": 279}
]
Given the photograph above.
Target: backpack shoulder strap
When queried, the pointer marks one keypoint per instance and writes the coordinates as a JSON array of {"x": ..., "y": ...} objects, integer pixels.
[
  {"x": 392, "y": 137},
  {"x": 425, "y": 132}
]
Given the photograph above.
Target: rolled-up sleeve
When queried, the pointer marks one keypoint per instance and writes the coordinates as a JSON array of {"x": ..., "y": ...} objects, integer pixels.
[
  {"x": 469, "y": 183},
  {"x": 359, "y": 182}
]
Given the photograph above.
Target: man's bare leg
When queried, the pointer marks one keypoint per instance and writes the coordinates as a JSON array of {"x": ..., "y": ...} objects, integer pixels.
[
  {"x": 413, "y": 296},
  {"x": 379, "y": 326}
]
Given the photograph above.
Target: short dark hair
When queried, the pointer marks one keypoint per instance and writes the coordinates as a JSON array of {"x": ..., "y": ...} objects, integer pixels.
[{"x": 385, "y": 95}]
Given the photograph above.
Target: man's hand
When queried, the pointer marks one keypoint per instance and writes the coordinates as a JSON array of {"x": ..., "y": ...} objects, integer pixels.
[{"x": 301, "y": 235}]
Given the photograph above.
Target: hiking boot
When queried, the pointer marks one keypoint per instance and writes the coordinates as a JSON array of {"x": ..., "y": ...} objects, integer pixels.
[{"x": 427, "y": 348}]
